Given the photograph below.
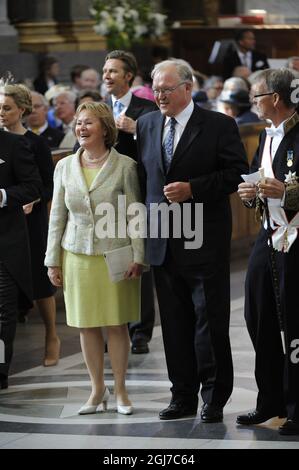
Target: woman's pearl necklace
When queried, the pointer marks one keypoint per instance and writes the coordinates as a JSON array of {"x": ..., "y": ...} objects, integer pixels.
[{"x": 95, "y": 160}]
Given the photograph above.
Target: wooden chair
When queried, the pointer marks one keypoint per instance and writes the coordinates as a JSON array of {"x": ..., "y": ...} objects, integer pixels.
[{"x": 57, "y": 155}]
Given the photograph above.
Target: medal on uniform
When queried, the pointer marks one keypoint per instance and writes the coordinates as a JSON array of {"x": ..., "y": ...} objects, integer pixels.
[
  {"x": 291, "y": 178},
  {"x": 290, "y": 158}
]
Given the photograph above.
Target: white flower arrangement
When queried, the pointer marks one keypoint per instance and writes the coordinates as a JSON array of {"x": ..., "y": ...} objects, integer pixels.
[{"x": 125, "y": 22}]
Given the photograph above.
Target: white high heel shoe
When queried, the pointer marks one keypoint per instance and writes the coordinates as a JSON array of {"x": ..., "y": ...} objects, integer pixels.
[
  {"x": 91, "y": 409},
  {"x": 124, "y": 409}
]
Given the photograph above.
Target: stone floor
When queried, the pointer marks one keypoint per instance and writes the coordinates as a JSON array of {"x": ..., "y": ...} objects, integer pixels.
[{"x": 39, "y": 409}]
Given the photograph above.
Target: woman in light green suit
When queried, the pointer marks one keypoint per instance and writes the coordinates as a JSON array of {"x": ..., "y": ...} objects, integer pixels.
[{"x": 96, "y": 174}]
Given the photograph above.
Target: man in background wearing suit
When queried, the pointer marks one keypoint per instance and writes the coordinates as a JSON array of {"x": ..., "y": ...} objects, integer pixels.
[
  {"x": 19, "y": 184},
  {"x": 189, "y": 155},
  {"x": 244, "y": 54},
  {"x": 119, "y": 71},
  {"x": 37, "y": 121}
]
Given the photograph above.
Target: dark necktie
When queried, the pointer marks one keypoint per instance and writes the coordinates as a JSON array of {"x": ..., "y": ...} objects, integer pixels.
[{"x": 168, "y": 144}]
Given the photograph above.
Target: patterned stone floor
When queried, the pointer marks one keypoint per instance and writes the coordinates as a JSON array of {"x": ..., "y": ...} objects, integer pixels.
[{"x": 39, "y": 409}]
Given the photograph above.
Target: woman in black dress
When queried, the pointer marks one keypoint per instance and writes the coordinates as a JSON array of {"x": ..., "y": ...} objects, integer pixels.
[{"x": 15, "y": 102}]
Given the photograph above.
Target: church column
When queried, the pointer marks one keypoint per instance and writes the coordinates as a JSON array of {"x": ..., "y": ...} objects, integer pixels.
[
  {"x": 51, "y": 26},
  {"x": 71, "y": 10},
  {"x": 43, "y": 10},
  {"x": 8, "y": 34}
]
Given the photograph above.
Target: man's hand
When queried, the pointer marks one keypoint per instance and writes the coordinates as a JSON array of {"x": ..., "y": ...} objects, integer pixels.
[
  {"x": 55, "y": 276},
  {"x": 247, "y": 191},
  {"x": 271, "y": 187},
  {"x": 178, "y": 192},
  {"x": 126, "y": 124},
  {"x": 27, "y": 208}
]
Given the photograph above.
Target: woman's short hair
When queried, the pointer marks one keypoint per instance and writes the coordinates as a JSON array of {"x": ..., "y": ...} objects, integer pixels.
[
  {"x": 20, "y": 94},
  {"x": 105, "y": 116}
]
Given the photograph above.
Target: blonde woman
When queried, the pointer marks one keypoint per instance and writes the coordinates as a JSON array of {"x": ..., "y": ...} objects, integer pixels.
[
  {"x": 15, "y": 104},
  {"x": 96, "y": 174}
]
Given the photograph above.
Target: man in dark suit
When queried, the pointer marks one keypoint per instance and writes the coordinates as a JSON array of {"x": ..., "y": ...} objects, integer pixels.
[
  {"x": 244, "y": 54},
  {"x": 119, "y": 71},
  {"x": 277, "y": 374},
  {"x": 19, "y": 184},
  {"x": 37, "y": 121},
  {"x": 189, "y": 155}
]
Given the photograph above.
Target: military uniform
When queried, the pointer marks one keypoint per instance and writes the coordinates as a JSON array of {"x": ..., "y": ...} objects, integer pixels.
[{"x": 277, "y": 375}]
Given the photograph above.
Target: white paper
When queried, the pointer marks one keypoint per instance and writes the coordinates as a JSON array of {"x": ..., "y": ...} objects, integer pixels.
[
  {"x": 118, "y": 262},
  {"x": 252, "y": 178}
]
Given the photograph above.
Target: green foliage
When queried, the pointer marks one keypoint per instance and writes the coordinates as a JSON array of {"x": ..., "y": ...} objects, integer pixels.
[{"x": 125, "y": 22}]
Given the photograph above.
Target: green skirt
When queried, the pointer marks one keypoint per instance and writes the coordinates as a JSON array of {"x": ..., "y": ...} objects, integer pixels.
[{"x": 91, "y": 299}]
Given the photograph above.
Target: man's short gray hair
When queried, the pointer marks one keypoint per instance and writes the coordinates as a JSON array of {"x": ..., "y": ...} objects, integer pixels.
[
  {"x": 278, "y": 81},
  {"x": 184, "y": 70},
  {"x": 70, "y": 96},
  {"x": 42, "y": 98},
  {"x": 235, "y": 84}
]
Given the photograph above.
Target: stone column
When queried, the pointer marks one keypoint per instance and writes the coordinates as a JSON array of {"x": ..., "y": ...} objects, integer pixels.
[
  {"x": 43, "y": 10},
  {"x": 50, "y": 26},
  {"x": 8, "y": 34},
  {"x": 70, "y": 10}
]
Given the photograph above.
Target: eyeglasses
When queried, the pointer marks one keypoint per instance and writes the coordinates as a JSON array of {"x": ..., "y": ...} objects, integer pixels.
[
  {"x": 262, "y": 94},
  {"x": 37, "y": 106},
  {"x": 166, "y": 91}
]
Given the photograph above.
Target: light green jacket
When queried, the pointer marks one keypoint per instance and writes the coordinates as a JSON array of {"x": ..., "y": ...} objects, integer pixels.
[{"x": 73, "y": 221}]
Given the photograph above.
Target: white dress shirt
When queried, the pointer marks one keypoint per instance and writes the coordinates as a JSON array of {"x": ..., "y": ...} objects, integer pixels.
[
  {"x": 277, "y": 134},
  {"x": 124, "y": 100},
  {"x": 245, "y": 58},
  {"x": 40, "y": 129},
  {"x": 182, "y": 118}
]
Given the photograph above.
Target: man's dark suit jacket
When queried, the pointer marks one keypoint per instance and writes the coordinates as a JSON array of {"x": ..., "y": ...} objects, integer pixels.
[
  {"x": 232, "y": 60},
  {"x": 211, "y": 156},
  {"x": 52, "y": 136},
  {"x": 40, "y": 84},
  {"x": 126, "y": 144},
  {"x": 20, "y": 178}
]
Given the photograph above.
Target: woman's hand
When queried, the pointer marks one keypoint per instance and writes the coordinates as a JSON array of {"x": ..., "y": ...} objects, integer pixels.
[
  {"x": 134, "y": 271},
  {"x": 247, "y": 191},
  {"x": 27, "y": 208},
  {"x": 55, "y": 276}
]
